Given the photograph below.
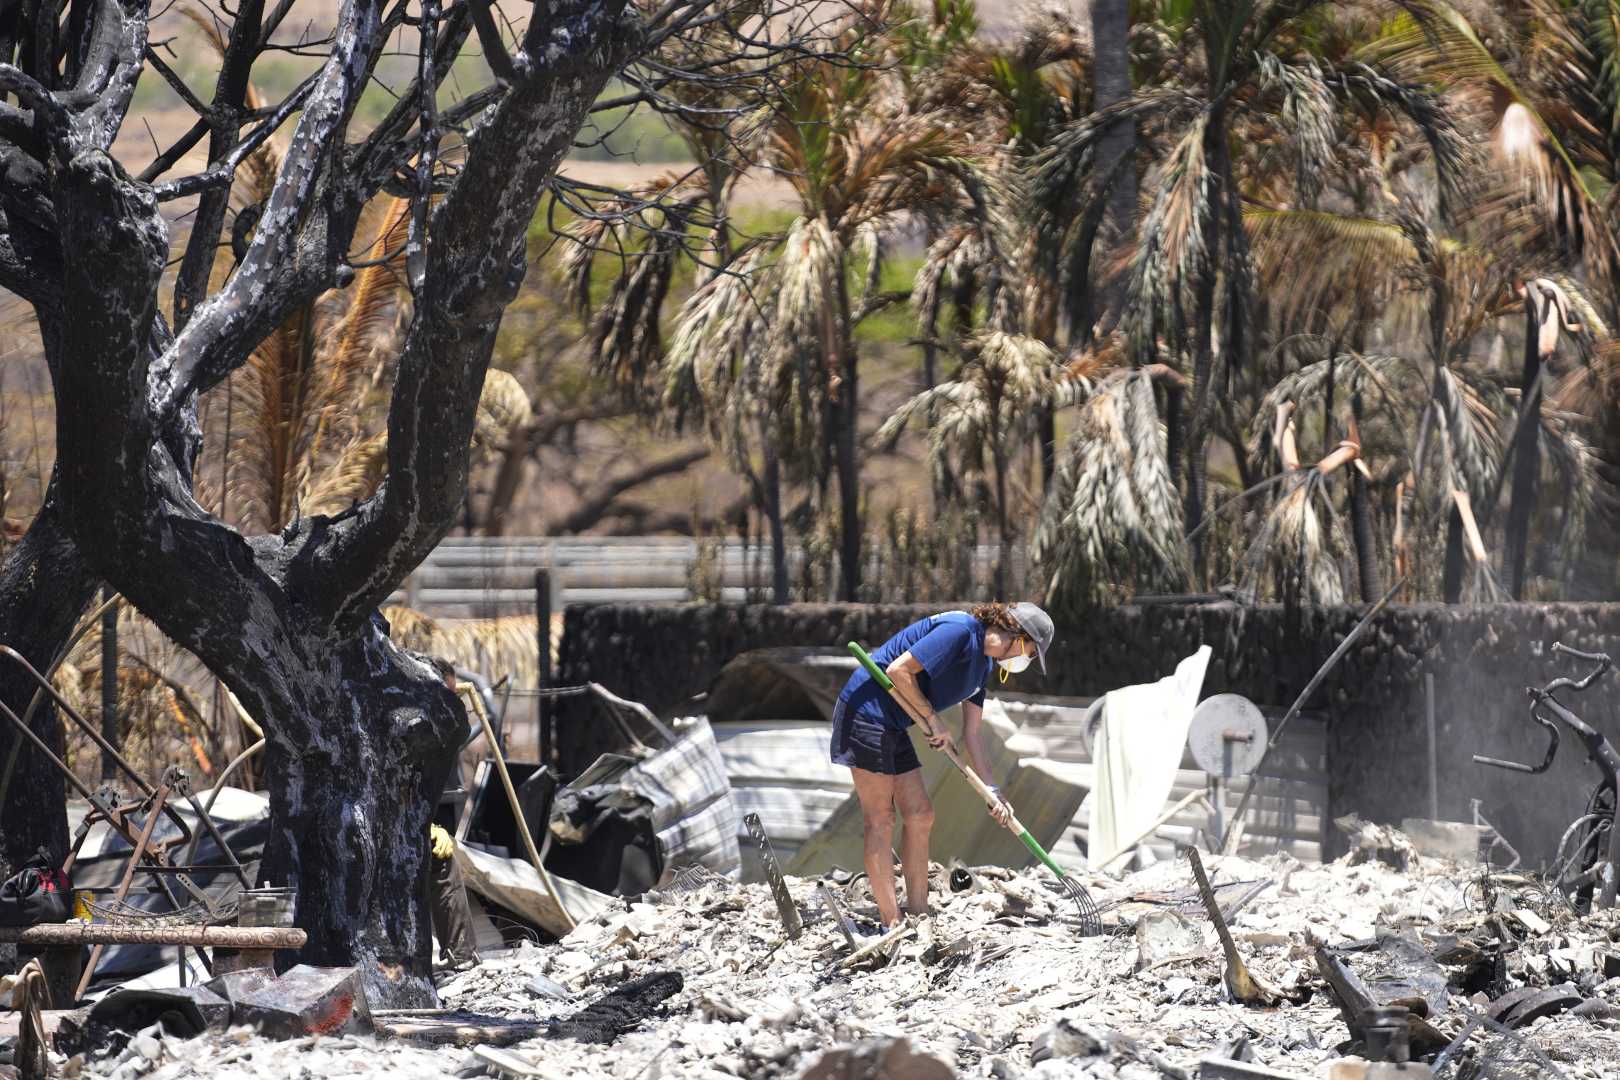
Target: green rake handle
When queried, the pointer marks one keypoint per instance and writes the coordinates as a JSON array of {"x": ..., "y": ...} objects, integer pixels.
[{"x": 881, "y": 677}]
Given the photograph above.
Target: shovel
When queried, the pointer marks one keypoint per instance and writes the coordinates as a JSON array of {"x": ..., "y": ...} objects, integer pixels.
[{"x": 1090, "y": 918}]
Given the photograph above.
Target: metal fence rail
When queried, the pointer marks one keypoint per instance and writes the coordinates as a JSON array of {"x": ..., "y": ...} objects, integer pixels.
[{"x": 482, "y": 577}]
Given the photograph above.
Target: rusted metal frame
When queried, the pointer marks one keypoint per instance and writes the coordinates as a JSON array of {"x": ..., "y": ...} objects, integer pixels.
[
  {"x": 159, "y": 800},
  {"x": 219, "y": 840},
  {"x": 111, "y": 814},
  {"x": 114, "y": 814}
]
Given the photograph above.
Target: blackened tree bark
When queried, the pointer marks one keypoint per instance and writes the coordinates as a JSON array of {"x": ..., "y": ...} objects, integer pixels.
[
  {"x": 1526, "y": 446},
  {"x": 1361, "y": 523},
  {"x": 360, "y": 732},
  {"x": 45, "y": 584},
  {"x": 45, "y": 587},
  {"x": 846, "y": 418},
  {"x": 1116, "y": 151}
]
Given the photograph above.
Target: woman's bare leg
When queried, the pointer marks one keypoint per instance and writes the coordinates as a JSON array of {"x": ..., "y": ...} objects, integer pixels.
[
  {"x": 876, "y": 792},
  {"x": 917, "y": 815}
]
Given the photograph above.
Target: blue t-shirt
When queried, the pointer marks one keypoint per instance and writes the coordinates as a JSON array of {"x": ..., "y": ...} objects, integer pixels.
[{"x": 950, "y": 648}]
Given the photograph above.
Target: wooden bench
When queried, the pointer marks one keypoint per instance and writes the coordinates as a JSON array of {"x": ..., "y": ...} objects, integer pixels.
[{"x": 58, "y": 945}]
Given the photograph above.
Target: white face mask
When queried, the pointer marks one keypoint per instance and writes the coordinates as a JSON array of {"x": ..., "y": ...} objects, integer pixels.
[{"x": 1014, "y": 664}]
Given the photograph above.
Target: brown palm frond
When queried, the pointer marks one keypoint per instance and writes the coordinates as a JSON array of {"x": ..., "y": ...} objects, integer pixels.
[
  {"x": 353, "y": 477},
  {"x": 503, "y": 408},
  {"x": 270, "y": 395},
  {"x": 1437, "y": 43},
  {"x": 1171, "y": 249},
  {"x": 1295, "y": 550},
  {"x": 1312, "y": 261},
  {"x": 365, "y": 332},
  {"x": 502, "y": 646}
]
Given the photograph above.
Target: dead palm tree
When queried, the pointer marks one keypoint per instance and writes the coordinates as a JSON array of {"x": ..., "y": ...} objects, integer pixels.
[
  {"x": 1111, "y": 525},
  {"x": 1231, "y": 67},
  {"x": 857, "y": 160},
  {"x": 992, "y": 406}
]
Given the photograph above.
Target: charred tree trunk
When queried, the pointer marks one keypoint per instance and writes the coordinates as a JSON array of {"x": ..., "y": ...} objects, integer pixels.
[
  {"x": 1526, "y": 450},
  {"x": 45, "y": 587},
  {"x": 361, "y": 742},
  {"x": 1361, "y": 524},
  {"x": 1198, "y": 425},
  {"x": 1116, "y": 151},
  {"x": 360, "y": 733},
  {"x": 847, "y": 417},
  {"x": 773, "y": 516}
]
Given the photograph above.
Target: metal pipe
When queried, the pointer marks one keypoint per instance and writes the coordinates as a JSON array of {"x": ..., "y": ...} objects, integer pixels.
[
  {"x": 521, "y": 821},
  {"x": 74, "y": 715},
  {"x": 542, "y": 615},
  {"x": 1299, "y": 702}
]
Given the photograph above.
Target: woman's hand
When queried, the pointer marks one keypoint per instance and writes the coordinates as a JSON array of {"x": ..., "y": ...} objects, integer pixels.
[{"x": 1000, "y": 809}]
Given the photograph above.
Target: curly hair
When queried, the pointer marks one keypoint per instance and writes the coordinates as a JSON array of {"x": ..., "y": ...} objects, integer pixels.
[{"x": 996, "y": 616}]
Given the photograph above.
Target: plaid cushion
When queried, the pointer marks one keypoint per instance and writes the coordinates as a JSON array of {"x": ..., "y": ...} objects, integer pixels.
[{"x": 694, "y": 813}]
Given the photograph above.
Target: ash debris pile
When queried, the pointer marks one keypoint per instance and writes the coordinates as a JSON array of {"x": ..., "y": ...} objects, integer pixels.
[{"x": 1468, "y": 972}]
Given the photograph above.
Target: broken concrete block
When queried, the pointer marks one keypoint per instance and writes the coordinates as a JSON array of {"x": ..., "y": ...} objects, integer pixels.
[
  {"x": 1455, "y": 841},
  {"x": 878, "y": 1059},
  {"x": 1163, "y": 935},
  {"x": 304, "y": 1001}
]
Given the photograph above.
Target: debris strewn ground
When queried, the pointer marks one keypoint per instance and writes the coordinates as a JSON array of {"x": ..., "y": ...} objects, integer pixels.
[{"x": 995, "y": 984}]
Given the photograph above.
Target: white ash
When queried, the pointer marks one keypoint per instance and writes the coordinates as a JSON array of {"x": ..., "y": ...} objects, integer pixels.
[{"x": 755, "y": 1005}]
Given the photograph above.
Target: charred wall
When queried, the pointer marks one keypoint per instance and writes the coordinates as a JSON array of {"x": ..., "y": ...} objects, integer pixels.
[{"x": 1482, "y": 657}]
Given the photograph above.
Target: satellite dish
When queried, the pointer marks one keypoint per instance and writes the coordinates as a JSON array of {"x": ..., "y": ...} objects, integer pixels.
[{"x": 1228, "y": 736}]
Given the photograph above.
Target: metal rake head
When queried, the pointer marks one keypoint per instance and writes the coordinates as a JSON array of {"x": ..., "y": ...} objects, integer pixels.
[{"x": 1090, "y": 917}]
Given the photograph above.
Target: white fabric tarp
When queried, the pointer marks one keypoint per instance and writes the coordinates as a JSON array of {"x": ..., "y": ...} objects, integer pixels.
[
  {"x": 514, "y": 884},
  {"x": 1144, "y": 729}
]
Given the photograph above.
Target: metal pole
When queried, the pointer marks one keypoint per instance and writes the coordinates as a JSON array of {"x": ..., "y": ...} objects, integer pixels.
[
  {"x": 1434, "y": 765},
  {"x": 542, "y": 614},
  {"x": 109, "y": 684}
]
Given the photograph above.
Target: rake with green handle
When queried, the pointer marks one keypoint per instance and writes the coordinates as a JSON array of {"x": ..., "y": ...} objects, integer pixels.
[{"x": 1090, "y": 919}]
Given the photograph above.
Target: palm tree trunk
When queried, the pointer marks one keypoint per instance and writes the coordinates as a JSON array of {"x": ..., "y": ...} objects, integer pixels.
[
  {"x": 1175, "y": 424},
  {"x": 848, "y": 416},
  {"x": 1526, "y": 453},
  {"x": 1048, "y": 438},
  {"x": 773, "y": 515},
  {"x": 1111, "y": 84},
  {"x": 1198, "y": 433},
  {"x": 1361, "y": 524},
  {"x": 999, "y": 456}
]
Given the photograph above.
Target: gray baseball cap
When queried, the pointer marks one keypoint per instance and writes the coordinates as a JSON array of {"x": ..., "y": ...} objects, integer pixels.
[{"x": 1038, "y": 625}]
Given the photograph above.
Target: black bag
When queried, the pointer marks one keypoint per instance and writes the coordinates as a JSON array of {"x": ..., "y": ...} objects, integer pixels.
[{"x": 38, "y": 893}]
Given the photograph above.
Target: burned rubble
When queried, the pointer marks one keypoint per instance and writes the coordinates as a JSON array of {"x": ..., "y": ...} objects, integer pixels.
[{"x": 1486, "y": 974}]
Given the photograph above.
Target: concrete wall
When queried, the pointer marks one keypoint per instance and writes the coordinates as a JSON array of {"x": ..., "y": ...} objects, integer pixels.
[{"x": 1482, "y": 658}]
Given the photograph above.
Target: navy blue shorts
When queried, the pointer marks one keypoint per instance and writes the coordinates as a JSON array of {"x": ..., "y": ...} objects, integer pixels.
[{"x": 862, "y": 743}]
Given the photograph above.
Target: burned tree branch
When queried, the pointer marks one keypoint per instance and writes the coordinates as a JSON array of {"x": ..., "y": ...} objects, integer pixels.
[
  {"x": 599, "y": 503},
  {"x": 475, "y": 249}
]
